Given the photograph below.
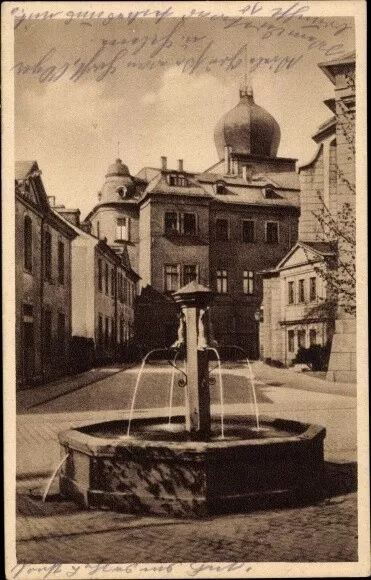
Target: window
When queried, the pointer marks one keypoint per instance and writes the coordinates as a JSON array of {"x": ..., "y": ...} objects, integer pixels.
[
  {"x": 27, "y": 311},
  {"x": 189, "y": 273},
  {"x": 100, "y": 330},
  {"x": 271, "y": 232},
  {"x": 301, "y": 293},
  {"x": 47, "y": 332},
  {"x": 290, "y": 292},
  {"x": 106, "y": 332},
  {"x": 220, "y": 187},
  {"x": 248, "y": 282},
  {"x": 171, "y": 222},
  {"x": 189, "y": 224},
  {"x": 171, "y": 277},
  {"x": 61, "y": 332},
  {"x": 221, "y": 230},
  {"x": 177, "y": 180},
  {"x": 222, "y": 281},
  {"x": 131, "y": 293},
  {"x": 112, "y": 282},
  {"x": 269, "y": 193},
  {"x": 125, "y": 290},
  {"x": 27, "y": 243},
  {"x": 122, "y": 191},
  {"x": 313, "y": 289},
  {"x": 301, "y": 338},
  {"x": 100, "y": 275},
  {"x": 48, "y": 255},
  {"x": 291, "y": 340},
  {"x": 185, "y": 224},
  {"x": 113, "y": 342},
  {"x": 106, "y": 278},
  {"x": 122, "y": 229},
  {"x": 119, "y": 286},
  {"x": 121, "y": 330},
  {"x": 60, "y": 263},
  {"x": 312, "y": 337},
  {"x": 248, "y": 231}
]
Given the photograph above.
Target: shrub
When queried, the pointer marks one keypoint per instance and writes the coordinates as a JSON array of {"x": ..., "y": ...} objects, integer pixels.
[{"x": 316, "y": 356}]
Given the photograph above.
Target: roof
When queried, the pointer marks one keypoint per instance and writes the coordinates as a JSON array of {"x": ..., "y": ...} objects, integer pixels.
[
  {"x": 237, "y": 190},
  {"x": 24, "y": 168},
  {"x": 159, "y": 185},
  {"x": 323, "y": 248},
  {"x": 326, "y": 126},
  {"x": 327, "y": 67}
]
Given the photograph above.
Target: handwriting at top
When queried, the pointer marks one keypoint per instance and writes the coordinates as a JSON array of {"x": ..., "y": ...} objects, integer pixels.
[
  {"x": 100, "y": 64},
  {"x": 297, "y": 11}
]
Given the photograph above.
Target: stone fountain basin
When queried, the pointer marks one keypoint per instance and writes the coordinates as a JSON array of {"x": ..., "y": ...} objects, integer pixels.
[{"x": 158, "y": 470}]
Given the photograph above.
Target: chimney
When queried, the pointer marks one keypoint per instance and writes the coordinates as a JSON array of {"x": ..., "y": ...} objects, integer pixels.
[
  {"x": 227, "y": 152},
  {"x": 51, "y": 199},
  {"x": 180, "y": 165},
  {"x": 164, "y": 163}
]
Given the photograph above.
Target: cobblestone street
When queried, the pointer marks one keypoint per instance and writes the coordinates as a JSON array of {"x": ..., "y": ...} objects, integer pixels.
[{"x": 326, "y": 532}]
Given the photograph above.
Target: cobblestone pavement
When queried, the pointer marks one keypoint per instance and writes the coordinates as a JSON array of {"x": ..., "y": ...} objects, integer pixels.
[{"x": 326, "y": 532}]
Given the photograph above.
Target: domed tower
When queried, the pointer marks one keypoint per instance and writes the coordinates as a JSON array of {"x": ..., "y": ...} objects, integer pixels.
[
  {"x": 247, "y": 131},
  {"x": 119, "y": 185},
  {"x": 116, "y": 216}
]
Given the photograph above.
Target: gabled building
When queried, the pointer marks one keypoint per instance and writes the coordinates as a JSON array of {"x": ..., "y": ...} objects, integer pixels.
[
  {"x": 292, "y": 318},
  {"x": 294, "y": 301},
  {"x": 219, "y": 227},
  {"x": 43, "y": 281}
]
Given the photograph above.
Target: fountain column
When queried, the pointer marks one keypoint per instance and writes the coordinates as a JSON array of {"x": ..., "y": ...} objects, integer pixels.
[{"x": 195, "y": 300}]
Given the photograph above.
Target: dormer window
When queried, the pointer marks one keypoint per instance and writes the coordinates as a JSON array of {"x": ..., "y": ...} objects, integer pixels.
[
  {"x": 177, "y": 180},
  {"x": 269, "y": 192},
  {"x": 220, "y": 187},
  {"x": 122, "y": 191}
]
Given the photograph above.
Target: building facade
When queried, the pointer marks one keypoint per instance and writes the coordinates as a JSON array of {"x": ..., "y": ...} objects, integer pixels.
[
  {"x": 43, "y": 281},
  {"x": 103, "y": 291},
  {"x": 299, "y": 302},
  {"x": 219, "y": 227}
]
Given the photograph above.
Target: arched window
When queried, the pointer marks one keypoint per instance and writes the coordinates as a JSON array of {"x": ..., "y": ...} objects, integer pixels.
[{"x": 27, "y": 243}]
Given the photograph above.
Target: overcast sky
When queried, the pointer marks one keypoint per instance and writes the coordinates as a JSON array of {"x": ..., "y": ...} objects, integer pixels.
[{"x": 72, "y": 127}]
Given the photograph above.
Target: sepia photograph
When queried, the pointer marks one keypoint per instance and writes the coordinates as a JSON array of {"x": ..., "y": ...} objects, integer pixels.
[{"x": 185, "y": 289}]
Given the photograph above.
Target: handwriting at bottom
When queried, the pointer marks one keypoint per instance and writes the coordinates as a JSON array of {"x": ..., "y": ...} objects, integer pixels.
[{"x": 193, "y": 570}]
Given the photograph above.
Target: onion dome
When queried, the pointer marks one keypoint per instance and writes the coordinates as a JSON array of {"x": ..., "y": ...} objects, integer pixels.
[{"x": 248, "y": 129}]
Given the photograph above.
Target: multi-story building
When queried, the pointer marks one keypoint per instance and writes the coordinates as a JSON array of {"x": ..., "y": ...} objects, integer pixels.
[
  {"x": 43, "y": 281},
  {"x": 220, "y": 227},
  {"x": 299, "y": 306},
  {"x": 103, "y": 292}
]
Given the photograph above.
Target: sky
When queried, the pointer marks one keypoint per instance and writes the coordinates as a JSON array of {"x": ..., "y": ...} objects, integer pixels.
[{"x": 158, "y": 88}]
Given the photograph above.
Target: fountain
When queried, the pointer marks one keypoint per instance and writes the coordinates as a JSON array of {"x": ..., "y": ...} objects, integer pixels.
[{"x": 194, "y": 464}]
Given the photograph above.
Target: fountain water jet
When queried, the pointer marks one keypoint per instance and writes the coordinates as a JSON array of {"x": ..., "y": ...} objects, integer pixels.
[{"x": 189, "y": 470}]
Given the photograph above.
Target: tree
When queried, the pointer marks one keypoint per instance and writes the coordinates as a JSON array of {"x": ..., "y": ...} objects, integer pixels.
[{"x": 338, "y": 228}]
